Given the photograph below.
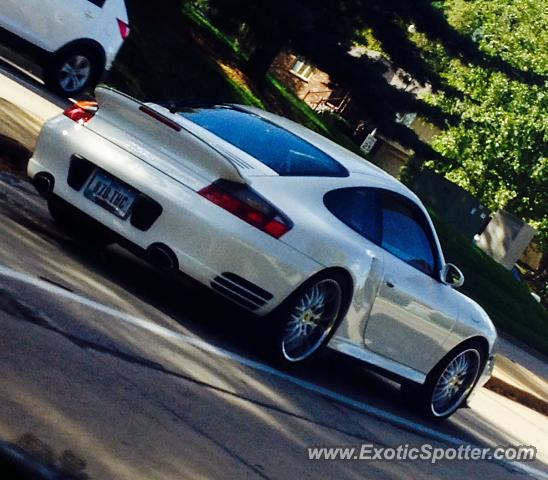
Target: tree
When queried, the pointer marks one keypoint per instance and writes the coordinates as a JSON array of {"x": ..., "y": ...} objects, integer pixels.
[
  {"x": 498, "y": 149},
  {"x": 324, "y": 32}
]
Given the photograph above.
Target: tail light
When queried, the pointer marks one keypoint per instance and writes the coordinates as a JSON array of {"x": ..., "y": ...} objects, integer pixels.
[
  {"x": 244, "y": 203},
  {"x": 81, "y": 112},
  {"x": 124, "y": 28}
]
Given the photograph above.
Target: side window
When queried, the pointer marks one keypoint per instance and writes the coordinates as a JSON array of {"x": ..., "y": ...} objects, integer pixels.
[
  {"x": 359, "y": 208},
  {"x": 99, "y": 3},
  {"x": 406, "y": 234}
]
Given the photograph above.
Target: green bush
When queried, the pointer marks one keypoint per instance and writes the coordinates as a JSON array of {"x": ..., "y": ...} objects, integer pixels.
[{"x": 507, "y": 301}]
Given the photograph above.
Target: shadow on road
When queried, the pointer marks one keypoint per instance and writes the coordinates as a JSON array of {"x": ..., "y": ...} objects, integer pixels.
[
  {"x": 192, "y": 309},
  {"x": 29, "y": 458}
]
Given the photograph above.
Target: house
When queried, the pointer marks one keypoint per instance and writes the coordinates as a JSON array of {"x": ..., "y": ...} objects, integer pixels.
[
  {"x": 314, "y": 87},
  {"x": 309, "y": 83}
]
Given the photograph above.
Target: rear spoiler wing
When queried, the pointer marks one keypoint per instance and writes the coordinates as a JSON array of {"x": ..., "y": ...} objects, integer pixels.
[{"x": 198, "y": 153}]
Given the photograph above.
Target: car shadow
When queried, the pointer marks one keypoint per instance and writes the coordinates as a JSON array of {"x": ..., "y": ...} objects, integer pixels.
[
  {"x": 203, "y": 314},
  {"x": 217, "y": 321}
]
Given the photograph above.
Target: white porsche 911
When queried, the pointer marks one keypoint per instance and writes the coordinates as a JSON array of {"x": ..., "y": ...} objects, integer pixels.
[{"x": 282, "y": 222}]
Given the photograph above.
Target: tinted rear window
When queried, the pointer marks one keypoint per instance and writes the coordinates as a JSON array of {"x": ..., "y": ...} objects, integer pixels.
[{"x": 282, "y": 151}]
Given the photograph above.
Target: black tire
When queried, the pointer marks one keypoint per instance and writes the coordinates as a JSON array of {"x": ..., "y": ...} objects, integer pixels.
[
  {"x": 73, "y": 69},
  {"x": 331, "y": 283},
  {"x": 430, "y": 399},
  {"x": 77, "y": 225}
]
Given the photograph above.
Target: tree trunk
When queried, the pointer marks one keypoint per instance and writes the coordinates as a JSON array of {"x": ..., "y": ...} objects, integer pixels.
[{"x": 262, "y": 58}]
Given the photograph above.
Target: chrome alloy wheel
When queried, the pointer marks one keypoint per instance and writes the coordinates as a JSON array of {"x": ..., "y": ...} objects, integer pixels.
[
  {"x": 74, "y": 73},
  {"x": 455, "y": 383},
  {"x": 312, "y": 319}
]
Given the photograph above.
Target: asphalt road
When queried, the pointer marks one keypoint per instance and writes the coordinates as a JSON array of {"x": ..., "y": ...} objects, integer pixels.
[{"x": 143, "y": 376}]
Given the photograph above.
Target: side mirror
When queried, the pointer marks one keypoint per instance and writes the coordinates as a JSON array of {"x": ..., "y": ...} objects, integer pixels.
[{"x": 452, "y": 276}]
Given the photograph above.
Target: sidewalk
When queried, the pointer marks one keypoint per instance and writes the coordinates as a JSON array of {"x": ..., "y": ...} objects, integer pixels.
[
  {"x": 27, "y": 98},
  {"x": 521, "y": 375},
  {"x": 22, "y": 113}
]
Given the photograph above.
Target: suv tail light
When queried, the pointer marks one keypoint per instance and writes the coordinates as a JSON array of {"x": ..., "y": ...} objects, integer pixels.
[
  {"x": 243, "y": 202},
  {"x": 81, "y": 112},
  {"x": 124, "y": 28}
]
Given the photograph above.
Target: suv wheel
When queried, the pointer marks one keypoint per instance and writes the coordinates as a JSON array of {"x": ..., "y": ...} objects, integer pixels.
[{"x": 72, "y": 70}]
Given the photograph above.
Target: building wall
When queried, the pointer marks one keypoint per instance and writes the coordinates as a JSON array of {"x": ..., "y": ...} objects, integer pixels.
[
  {"x": 532, "y": 257},
  {"x": 425, "y": 130},
  {"x": 389, "y": 157},
  {"x": 314, "y": 90},
  {"x": 505, "y": 238}
]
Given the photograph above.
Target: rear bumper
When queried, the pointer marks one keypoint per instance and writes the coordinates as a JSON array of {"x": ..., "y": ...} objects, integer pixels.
[{"x": 209, "y": 243}]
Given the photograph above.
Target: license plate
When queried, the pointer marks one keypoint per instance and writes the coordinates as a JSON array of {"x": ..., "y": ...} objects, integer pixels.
[{"x": 110, "y": 194}]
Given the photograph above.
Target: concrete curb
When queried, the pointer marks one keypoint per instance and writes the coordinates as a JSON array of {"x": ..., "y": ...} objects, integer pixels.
[{"x": 517, "y": 395}]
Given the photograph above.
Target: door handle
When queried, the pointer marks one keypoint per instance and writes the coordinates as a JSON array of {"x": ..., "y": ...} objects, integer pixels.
[
  {"x": 88, "y": 13},
  {"x": 389, "y": 284}
]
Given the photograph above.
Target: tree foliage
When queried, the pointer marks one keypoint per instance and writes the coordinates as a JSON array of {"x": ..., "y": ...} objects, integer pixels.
[
  {"x": 324, "y": 32},
  {"x": 498, "y": 149},
  {"x": 486, "y": 61}
]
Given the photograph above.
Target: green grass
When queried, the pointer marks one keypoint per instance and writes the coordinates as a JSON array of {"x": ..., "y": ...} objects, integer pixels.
[
  {"x": 507, "y": 301},
  {"x": 308, "y": 117},
  {"x": 169, "y": 65},
  {"x": 200, "y": 19},
  {"x": 245, "y": 94}
]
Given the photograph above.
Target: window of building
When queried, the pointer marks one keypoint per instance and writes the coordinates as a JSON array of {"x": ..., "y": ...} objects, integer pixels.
[{"x": 302, "y": 69}]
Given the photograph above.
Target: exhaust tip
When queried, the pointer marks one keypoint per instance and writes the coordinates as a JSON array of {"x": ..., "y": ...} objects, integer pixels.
[
  {"x": 43, "y": 182},
  {"x": 162, "y": 257}
]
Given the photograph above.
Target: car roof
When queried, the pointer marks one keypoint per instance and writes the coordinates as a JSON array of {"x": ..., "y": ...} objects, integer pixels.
[{"x": 357, "y": 166}]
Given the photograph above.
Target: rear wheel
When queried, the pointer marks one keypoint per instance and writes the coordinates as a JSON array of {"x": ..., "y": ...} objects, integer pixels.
[{"x": 307, "y": 320}]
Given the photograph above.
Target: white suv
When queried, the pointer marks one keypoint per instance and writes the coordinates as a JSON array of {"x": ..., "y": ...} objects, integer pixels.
[{"x": 79, "y": 38}]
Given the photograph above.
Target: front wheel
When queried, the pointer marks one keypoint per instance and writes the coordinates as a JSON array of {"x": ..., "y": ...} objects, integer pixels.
[
  {"x": 450, "y": 383},
  {"x": 307, "y": 320}
]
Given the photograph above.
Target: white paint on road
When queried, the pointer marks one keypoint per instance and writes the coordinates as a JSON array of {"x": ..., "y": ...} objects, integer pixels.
[{"x": 378, "y": 413}]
